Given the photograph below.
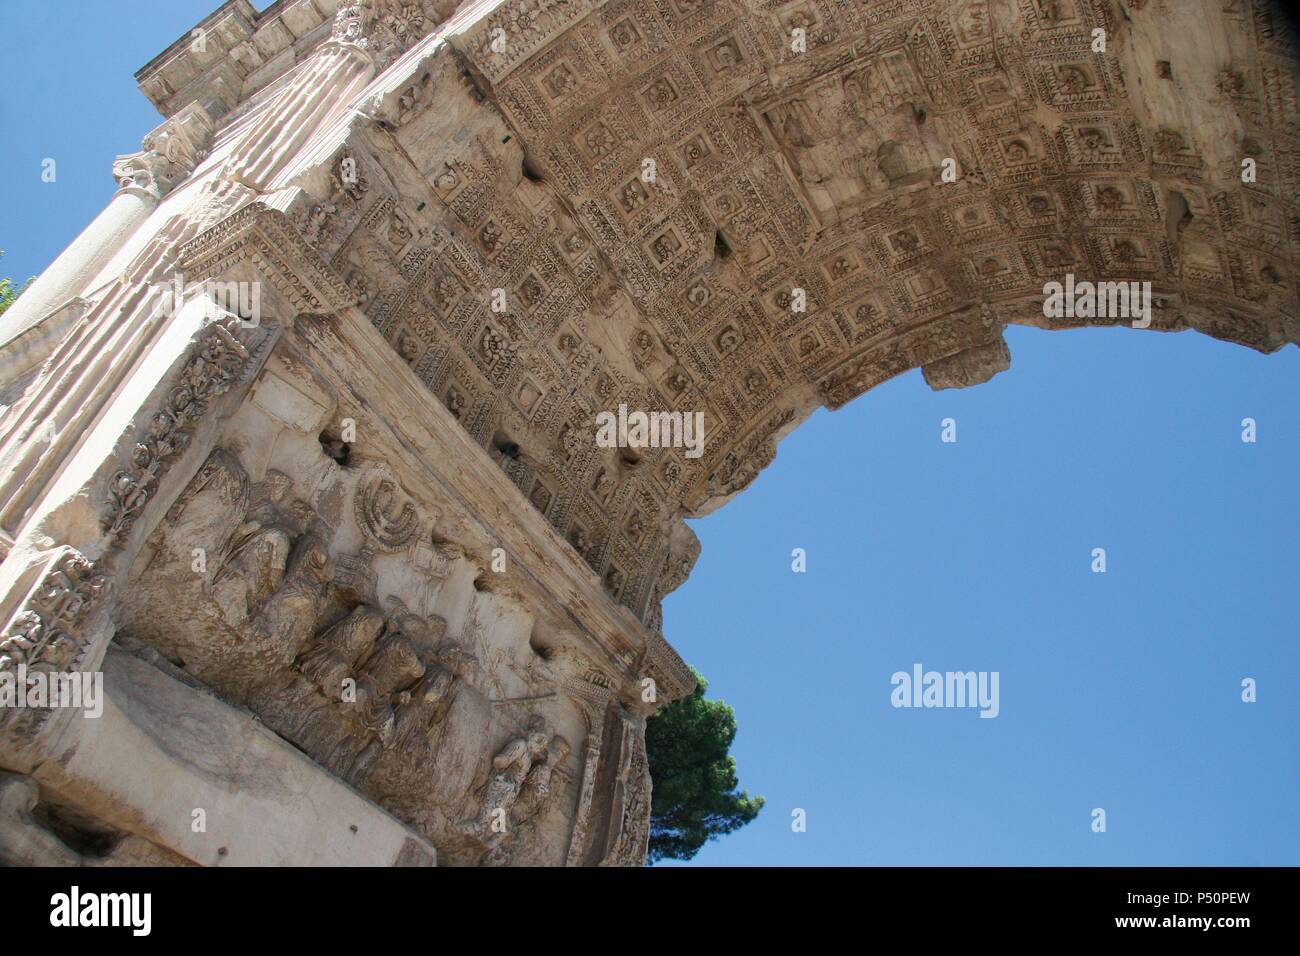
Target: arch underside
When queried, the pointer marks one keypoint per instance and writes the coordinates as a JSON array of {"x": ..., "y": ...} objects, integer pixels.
[
  {"x": 776, "y": 171},
  {"x": 549, "y": 209}
]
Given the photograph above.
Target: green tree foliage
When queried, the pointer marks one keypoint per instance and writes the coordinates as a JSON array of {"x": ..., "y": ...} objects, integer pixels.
[
  {"x": 8, "y": 292},
  {"x": 694, "y": 777}
]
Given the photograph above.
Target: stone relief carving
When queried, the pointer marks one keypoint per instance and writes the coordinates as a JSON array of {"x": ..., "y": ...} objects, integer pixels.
[
  {"x": 383, "y": 662},
  {"x": 47, "y": 635},
  {"x": 258, "y": 555},
  {"x": 285, "y": 619},
  {"x": 536, "y": 791},
  {"x": 518, "y": 789},
  {"x": 383, "y": 698},
  {"x": 632, "y": 810},
  {"x": 217, "y": 361}
]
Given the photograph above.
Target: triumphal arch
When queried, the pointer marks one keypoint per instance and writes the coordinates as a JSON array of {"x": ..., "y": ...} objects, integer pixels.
[{"x": 298, "y": 454}]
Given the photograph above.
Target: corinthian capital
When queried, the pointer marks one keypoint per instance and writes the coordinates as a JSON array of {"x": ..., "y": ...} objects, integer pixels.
[
  {"x": 145, "y": 170},
  {"x": 170, "y": 153}
]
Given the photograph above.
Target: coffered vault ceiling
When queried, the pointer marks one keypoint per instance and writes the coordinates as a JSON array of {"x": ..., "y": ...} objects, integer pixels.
[{"x": 1100, "y": 138}]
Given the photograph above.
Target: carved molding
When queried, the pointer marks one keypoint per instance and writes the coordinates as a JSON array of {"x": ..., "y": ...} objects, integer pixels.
[
  {"x": 48, "y": 634},
  {"x": 216, "y": 362},
  {"x": 268, "y": 240}
]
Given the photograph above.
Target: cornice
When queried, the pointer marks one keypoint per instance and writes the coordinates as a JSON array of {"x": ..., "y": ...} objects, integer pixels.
[{"x": 268, "y": 239}]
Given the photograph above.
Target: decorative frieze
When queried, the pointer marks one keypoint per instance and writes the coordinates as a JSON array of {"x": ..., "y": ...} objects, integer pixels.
[
  {"x": 48, "y": 636},
  {"x": 215, "y": 364}
]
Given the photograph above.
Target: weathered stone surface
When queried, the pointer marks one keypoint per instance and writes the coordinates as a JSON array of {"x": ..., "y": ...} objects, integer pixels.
[
  {"x": 161, "y": 744},
  {"x": 356, "y": 490}
]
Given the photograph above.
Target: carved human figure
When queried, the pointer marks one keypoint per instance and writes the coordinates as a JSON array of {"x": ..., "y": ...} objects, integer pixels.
[
  {"x": 392, "y": 667},
  {"x": 257, "y": 556},
  {"x": 536, "y": 790},
  {"x": 795, "y": 125},
  {"x": 332, "y": 660},
  {"x": 419, "y": 711},
  {"x": 309, "y": 709},
  {"x": 289, "y": 614},
  {"x": 510, "y": 768}
]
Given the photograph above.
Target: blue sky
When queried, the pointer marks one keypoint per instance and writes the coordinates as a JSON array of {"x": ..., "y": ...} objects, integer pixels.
[
  {"x": 67, "y": 92},
  {"x": 1118, "y": 690}
]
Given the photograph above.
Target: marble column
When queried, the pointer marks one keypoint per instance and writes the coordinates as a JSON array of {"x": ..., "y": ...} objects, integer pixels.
[{"x": 67, "y": 276}]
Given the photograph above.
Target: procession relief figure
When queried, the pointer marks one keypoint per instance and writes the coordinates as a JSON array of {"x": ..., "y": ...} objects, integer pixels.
[
  {"x": 510, "y": 769},
  {"x": 434, "y": 561},
  {"x": 392, "y": 667},
  {"x": 331, "y": 661},
  {"x": 813, "y": 132},
  {"x": 257, "y": 557},
  {"x": 536, "y": 791},
  {"x": 289, "y": 614},
  {"x": 420, "y": 711},
  {"x": 202, "y": 515},
  {"x": 798, "y": 128},
  {"x": 311, "y": 704}
]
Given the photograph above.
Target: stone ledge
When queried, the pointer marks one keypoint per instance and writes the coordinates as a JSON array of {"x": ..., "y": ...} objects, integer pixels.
[{"x": 265, "y": 803}]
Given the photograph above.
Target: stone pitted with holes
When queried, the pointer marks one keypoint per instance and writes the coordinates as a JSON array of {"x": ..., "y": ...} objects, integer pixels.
[{"x": 310, "y": 409}]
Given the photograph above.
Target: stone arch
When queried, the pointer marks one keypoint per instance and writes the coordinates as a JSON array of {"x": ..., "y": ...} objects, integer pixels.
[
  {"x": 654, "y": 206},
  {"x": 682, "y": 212},
  {"x": 812, "y": 172}
]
